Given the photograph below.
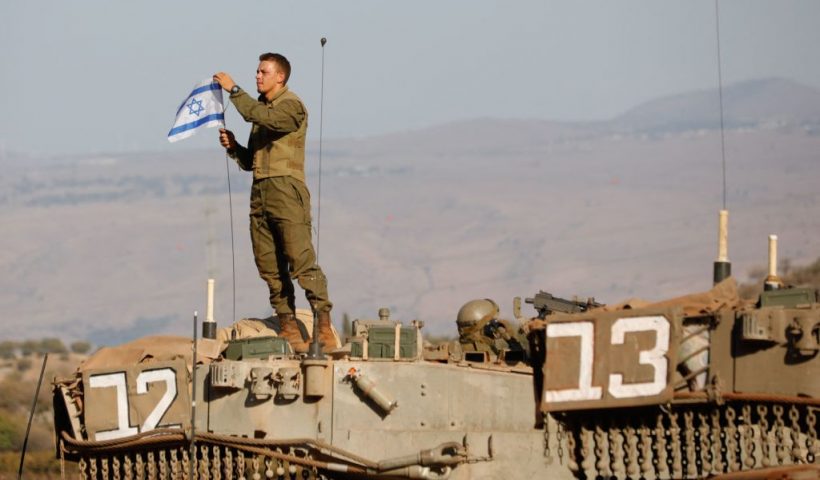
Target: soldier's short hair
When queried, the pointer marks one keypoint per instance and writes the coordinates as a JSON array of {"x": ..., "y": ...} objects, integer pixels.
[{"x": 279, "y": 60}]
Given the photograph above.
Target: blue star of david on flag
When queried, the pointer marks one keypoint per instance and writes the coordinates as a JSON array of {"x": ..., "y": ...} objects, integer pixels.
[
  {"x": 202, "y": 108},
  {"x": 195, "y": 107}
]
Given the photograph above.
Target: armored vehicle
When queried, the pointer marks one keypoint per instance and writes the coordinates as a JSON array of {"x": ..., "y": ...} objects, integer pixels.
[
  {"x": 698, "y": 386},
  {"x": 382, "y": 406},
  {"x": 693, "y": 387}
]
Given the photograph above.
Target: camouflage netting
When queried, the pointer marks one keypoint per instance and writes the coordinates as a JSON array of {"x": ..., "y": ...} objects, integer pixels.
[
  {"x": 262, "y": 327},
  {"x": 724, "y": 295},
  {"x": 156, "y": 348},
  {"x": 160, "y": 348}
]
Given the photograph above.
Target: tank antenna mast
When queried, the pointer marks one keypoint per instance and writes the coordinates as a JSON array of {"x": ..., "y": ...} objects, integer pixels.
[
  {"x": 323, "y": 41},
  {"x": 315, "y": 349},
  {"x": 720, "y": 99},
  {"x": 192, "y": 444},
  {"x": 772, "y": 281},
  {"x": 722, "y": 268}
]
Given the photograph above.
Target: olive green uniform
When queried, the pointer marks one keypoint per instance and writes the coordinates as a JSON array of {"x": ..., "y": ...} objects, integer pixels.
[
  {"x": 280, "y": 220},
  {"x": 490, "y": 336}
]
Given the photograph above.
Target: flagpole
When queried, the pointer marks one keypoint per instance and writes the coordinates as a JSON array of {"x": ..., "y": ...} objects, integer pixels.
[{"x": 230, "y": 210}]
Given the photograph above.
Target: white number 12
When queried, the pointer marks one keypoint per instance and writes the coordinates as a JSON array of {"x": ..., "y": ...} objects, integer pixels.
[{"x": 117, "y": 380}]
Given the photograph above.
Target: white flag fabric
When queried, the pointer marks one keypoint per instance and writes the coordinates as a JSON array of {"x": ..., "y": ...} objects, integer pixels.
[{"x": 202, "y": 108}]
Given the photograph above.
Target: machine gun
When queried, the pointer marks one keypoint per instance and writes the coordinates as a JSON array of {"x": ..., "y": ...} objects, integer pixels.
[{"x": 547, "y": 303}]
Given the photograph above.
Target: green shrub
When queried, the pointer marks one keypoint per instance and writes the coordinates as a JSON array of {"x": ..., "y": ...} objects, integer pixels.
[
  {"x": 81, "y": 347},
  {"x": 8, "y": 349},
  {"x": 23, "y": 364},
  {"x": 28, "y": 347},
  {"x": 51, "y": 345},
  {"x": 11, "y": 433},
  {"x": 799, "y": 276}
]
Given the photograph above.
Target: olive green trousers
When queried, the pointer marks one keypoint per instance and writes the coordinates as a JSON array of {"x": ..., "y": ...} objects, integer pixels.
[{"x": 282, "y": 245}]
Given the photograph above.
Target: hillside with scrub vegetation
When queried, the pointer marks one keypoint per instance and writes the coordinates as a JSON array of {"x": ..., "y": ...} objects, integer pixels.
[
  {"x": 20, "y": 365},
  {"x": 791, "y": 275}
]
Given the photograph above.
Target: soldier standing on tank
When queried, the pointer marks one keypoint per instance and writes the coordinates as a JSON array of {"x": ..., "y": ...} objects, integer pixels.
[{"x": 280, "y": 220}]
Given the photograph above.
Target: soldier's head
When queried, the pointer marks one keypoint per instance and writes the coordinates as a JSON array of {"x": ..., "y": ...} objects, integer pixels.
[
  {"x": 272, "y": 74},
  {"x": 474, "y": 311}
]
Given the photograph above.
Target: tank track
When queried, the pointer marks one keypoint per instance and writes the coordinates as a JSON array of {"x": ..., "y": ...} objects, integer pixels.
[
  {"x": 212, "y": 461},
  {"x": 167, "y": 454},
  {"x": 691, "y": 440}
]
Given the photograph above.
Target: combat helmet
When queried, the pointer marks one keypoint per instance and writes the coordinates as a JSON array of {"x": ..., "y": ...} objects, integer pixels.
[{"x": 474, "y": 311}]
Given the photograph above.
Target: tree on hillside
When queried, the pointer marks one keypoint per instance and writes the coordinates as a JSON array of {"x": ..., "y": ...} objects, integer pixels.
[
  {"x": 28, "y": 347},
  {"x": 80, "y": 346},
  {"x": 51, "y": 345},
  {"x": 23, "y": 364},
  {"x": 8, "y": 349},
  {"x": 791, "y": 275}
]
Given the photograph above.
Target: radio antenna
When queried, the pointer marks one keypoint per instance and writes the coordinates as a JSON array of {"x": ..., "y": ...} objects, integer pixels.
[
  {"x": 315, "y": 348},
  {"x": 720, "y": 97},
  {"x": 192, "y": 444},
  {"x": 721, "y": 267},
  {"x": 323, "y": 41}
]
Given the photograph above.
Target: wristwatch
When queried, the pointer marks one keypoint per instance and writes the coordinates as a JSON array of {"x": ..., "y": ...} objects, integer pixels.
[{"x": 234, "y": 89}]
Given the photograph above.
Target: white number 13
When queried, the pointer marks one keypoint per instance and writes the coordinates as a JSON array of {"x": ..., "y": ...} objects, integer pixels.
[{"x": 655, "y": 358}]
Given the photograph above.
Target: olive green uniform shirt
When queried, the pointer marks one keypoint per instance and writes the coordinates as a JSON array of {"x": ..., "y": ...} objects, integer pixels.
[{"x": 276, "y": 146}]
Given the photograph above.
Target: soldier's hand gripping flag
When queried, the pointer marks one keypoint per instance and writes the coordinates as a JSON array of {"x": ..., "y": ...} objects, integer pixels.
[{"x": 202, "y": 108}]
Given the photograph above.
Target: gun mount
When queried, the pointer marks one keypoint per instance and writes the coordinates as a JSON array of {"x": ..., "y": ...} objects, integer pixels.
[{"x": 547, "y": 304}]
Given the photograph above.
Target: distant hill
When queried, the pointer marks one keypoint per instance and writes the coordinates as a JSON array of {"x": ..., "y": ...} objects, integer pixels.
[
  {"x": 111, "y": 247},
  {"x": 773, "y": 102},
  {"x": 764, "y": 103},
  {"x": 484, "y": 137}
]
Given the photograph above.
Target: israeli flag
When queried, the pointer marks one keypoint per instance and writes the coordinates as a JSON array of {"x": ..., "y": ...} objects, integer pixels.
[{"x": 202, "y": 108}]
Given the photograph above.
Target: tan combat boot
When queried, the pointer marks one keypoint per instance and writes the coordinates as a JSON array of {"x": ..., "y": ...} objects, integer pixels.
[
  {"x": 289, "y": 330},
  {"x": 326, "y": 337}
]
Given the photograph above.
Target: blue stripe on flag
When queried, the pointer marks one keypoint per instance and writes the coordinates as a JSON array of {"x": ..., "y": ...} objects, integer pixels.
[
  {"x": 205, "y": 88},
  {"x": 197, "y": 91},
  {"x": 201, "y": 121}
]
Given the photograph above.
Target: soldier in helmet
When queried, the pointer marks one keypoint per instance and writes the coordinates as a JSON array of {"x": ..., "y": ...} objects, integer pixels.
[{"x": 480, "y": 330}]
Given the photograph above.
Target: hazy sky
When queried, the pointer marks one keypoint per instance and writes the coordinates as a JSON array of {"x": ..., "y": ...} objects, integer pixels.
[{"x": 107, "y": 76}]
